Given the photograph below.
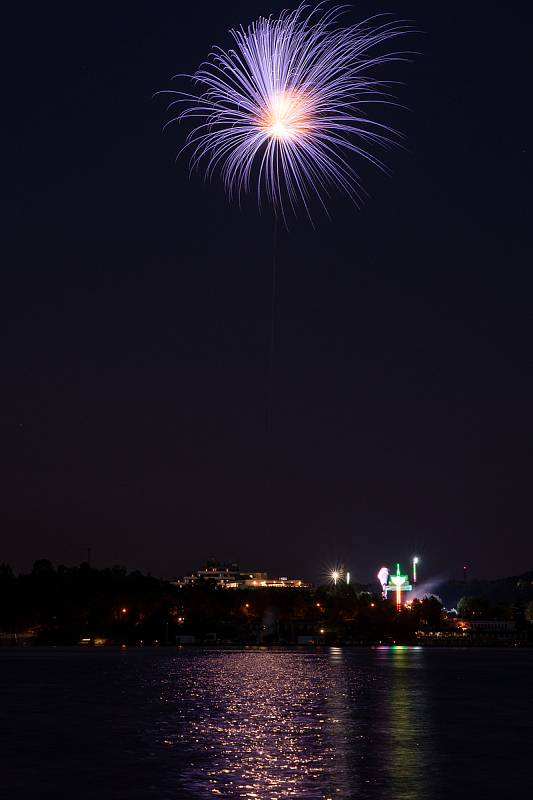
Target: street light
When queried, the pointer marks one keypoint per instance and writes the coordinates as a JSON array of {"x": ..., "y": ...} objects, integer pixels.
[
  {"x": 335, "y": 576},
  {"x": 415, "y": 562}
]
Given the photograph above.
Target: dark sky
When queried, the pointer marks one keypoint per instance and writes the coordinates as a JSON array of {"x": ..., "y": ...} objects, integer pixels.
[{"x": 135, "y": 314}]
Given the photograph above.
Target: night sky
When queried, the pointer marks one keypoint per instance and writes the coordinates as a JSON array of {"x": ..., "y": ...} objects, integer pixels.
[{"x": 135, "y": 314}]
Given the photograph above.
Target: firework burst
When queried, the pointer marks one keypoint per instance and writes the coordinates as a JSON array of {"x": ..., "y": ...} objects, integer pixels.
[{"x": 286, "y": 111}]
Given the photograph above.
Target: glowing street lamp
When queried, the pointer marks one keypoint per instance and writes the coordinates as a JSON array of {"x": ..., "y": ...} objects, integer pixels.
[
  {"x": 335, "y": 576},
  {"x": 415, "y": 562},
  {"x": 347, "y": 578}
]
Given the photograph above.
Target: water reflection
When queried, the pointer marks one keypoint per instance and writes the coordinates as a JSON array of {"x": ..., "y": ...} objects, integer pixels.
[
  {"x": 264, "y": 725},
  {"x": 277, "y": 724},
  {"x": 408, "y": 726}
]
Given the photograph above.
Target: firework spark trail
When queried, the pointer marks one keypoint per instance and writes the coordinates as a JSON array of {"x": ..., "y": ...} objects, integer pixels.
[{"x": 287, "y": 106}]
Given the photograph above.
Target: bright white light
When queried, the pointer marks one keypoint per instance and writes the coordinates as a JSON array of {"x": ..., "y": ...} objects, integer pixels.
[
  {"x": 286, "y": 116},
  {"x": 383, "y": 576}
]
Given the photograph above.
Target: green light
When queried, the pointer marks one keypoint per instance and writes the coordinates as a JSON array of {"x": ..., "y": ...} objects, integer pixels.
[{"x": 401, "y": 584}]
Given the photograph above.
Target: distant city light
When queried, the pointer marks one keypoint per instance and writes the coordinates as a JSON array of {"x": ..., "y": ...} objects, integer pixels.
[
  {"x": 397, "y": 582},
  {"x": 335, "y": 576},
  {"x": 347, "y": 577},
  {"x": 401, "y": 584},
  {"x": 383, "y": 578},
  {"x": 124, "y": 610}
]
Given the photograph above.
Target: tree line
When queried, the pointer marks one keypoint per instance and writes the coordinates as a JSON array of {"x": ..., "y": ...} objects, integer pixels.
[{"x": 68, "y": 605}]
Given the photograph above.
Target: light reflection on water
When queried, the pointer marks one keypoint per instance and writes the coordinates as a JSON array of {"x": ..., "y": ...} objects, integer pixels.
[
  {"x": 354, "y": 723},
  {"x": 276, "y": 724},
  {"x": 408, "y": 724}
]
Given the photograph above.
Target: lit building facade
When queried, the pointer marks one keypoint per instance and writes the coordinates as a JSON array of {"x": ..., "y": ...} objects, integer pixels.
[{"x": 224, "y": 575}]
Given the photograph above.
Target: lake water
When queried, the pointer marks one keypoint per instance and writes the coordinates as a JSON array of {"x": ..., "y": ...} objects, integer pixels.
[{"x": 398, "y": 723}]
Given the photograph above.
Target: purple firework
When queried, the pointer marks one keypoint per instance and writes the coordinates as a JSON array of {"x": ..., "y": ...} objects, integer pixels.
[{"x": 284, "y": 109}]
